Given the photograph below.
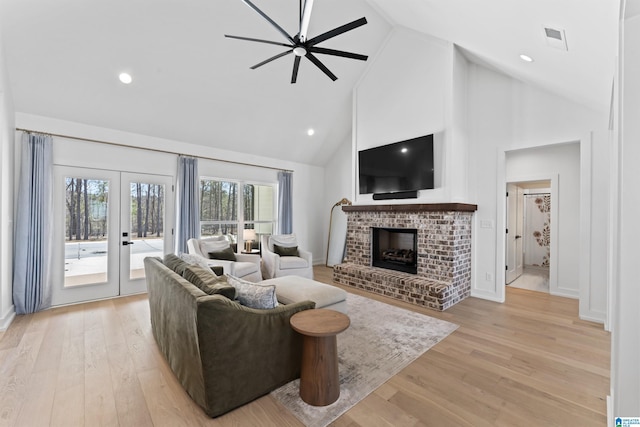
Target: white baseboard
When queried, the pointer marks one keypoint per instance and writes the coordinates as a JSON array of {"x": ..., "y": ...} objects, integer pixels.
[
  {"x": 6, "y": 320},
  {"x": 489, "y": 296},
  {"x": 594, "y": 317},
  {"x": 566, "y": 293}
]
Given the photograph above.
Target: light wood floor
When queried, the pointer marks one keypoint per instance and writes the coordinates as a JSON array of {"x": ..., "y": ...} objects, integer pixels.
[{"x": 528, "y": 362}]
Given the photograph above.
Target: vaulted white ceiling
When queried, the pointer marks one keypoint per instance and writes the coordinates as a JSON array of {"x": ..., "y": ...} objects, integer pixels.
[
  {"x": 498, "y": 31},
  {"x": 191, "y": 84}
]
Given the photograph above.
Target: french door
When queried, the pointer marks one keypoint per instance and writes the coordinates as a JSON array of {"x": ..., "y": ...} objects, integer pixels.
[{"x": 106, "y": 223}]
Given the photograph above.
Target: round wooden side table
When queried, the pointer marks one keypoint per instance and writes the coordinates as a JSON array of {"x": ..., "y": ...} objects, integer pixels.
[{"x": 319, "y": 379}]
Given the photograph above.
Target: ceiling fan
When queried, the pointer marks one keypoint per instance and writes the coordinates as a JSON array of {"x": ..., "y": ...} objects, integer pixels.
[{"x": 300, "y": 45}]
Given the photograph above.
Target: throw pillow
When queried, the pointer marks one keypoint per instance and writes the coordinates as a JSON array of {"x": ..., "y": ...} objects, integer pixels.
[
  {"x": 208, "y": 282},
  {"x": 195, "y": 260},
  {"x": 174, "y": 262},
  {"x": 225, "y": 254},
  {"x": 285, "y": 251},
  {"x": 254, "y": 295}
]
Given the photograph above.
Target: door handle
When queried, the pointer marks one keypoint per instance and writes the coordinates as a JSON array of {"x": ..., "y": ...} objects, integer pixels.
[
  {"x": 125, "y": 243},
  {"x": 517, "y": 237}
]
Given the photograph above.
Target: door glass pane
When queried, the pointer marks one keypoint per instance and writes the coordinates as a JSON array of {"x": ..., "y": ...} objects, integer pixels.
[
  {"x": 86, "y": 234},
  {"x": 147, "y": 225}
]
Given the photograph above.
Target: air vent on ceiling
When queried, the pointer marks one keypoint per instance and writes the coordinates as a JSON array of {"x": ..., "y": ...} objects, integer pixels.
[{"x": 555, "y": 37}]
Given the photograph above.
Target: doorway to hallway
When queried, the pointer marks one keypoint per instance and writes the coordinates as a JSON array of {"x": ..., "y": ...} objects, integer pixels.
[{"x": 528, "y": 235}]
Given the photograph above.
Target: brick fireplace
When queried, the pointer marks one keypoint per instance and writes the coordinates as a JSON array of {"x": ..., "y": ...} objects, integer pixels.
[{"x": 443, "y": 249}]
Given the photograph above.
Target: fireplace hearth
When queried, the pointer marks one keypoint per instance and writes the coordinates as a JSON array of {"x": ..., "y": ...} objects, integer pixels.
[
  {"x": 395, "y": 249},
  {"x": 434, "y": 237}
]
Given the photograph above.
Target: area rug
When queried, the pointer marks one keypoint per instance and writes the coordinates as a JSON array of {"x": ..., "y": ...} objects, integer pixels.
[{"x": 381, "y": 341}]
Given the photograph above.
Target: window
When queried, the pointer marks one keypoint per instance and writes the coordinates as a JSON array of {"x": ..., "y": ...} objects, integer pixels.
[
  {"x": 258, "y": 212},
  {"x": 223, "y": 212}
]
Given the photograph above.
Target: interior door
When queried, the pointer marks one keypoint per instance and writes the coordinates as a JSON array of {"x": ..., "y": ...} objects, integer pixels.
[
  {"x": 515, "y": 219},
  {"x": 86, "y": 217},
  {"x": 145, "y": 226},
  {"x": 519, "y": 256}
]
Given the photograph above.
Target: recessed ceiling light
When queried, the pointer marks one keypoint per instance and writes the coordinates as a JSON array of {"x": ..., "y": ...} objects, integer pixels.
[
  {"x": 125, "y": 78},
  {"x": 310, "y": 132},
  {"x": 404, "y": 150},
  {"x": 526, "y": 58}
]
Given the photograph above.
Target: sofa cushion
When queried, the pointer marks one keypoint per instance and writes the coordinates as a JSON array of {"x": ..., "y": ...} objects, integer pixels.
[
  {"x": 224, "y": 254},
  {"x": 208, "y": 281},
  {"x": 285, "y": 251},
  {"x": 254, "y": 295},
  {"x": 174, "y": 262},
  {"x": 289, "y": 262}
]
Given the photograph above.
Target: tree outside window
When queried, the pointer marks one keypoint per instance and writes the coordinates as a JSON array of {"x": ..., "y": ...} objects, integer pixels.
[{"x": 227, "y": 206}]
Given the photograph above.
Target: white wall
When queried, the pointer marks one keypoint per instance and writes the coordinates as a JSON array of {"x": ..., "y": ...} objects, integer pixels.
[
  {"x": 418, "y": 85},
  {"x": 7, "y": 311},
  {"x": 505, "y": 114},
  {"x": 458, "y": 160},
  {"x": 479, "y": 115},
  {"x": 490, "y": 117},
  {"x": 562, "y": 162},
  {"x": 337, "y": 184},
  {"x": 406, "y": 92},
  {"x": 594, "y": 295},
  {"x": 307, "y": 180},
  {"x": 625, "y": 339},
  {"x": 308, "y": 210}
]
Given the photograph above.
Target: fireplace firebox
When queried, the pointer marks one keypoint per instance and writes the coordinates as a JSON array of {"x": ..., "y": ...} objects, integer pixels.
[{"x": 395, "y": 249}]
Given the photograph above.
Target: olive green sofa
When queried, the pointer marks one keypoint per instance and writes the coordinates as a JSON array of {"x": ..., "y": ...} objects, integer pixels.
[{"x": 224, "y": 354}]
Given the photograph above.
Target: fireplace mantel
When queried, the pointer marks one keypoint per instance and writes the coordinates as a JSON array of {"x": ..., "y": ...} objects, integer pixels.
[{"x": 424, "y": 207}]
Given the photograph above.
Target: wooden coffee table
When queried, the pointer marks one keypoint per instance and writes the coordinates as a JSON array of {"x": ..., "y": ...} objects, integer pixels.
[{"x": 319, "y": 379}]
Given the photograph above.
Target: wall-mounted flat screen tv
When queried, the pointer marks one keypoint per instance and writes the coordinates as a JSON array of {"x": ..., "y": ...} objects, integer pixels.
[{"x": 402, "y": 166}]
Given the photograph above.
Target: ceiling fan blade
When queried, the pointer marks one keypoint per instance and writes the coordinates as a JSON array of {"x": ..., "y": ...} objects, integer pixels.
[
  {"x": 266, "y": 61},
  {"x": 271, "y": 21},
  {"x": 296, "y": 65},
  {"x": 304, "y": 21},
  {"x": 257, "y": 40},
  {"x": 320, "y": 65},
  {"x": 334, "y": 52},
  {"x": 336, "y": 31}
]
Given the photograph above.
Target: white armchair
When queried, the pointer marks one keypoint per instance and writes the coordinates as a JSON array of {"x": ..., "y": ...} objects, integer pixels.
[
  {"x": 274, "y": 265},
  {"x": 245, "y": 266}
]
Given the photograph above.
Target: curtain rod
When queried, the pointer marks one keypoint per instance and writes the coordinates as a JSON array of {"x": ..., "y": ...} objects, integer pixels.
[
  {"x": 537, "y": 194},
  {"x": 157, "y": 150}
]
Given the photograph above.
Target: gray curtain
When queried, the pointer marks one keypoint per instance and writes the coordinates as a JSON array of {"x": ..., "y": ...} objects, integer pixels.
[
  {"x": 33, "y": 231},
  {"x": 285, "y": 198},
  {"x": 188, "y": 198}
]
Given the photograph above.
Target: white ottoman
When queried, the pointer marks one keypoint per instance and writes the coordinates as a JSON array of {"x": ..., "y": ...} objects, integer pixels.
[{"x": 290, "y": 289}]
